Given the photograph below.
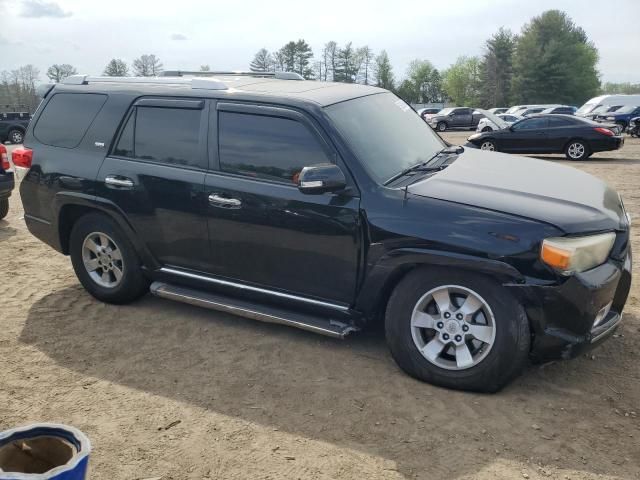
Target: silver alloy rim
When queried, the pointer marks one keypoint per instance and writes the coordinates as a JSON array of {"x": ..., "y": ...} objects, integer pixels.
[
  {"x": 16, "y": 137},
  {"x": 576, "y": 150},
  {"x": 442, "y": 127},
  {"x": 102, "y": 259},
  {"x": 453, "y": 327},
  {"x": 488, "y": 146}
]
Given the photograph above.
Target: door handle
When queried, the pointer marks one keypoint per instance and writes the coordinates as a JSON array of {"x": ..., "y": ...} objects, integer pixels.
[
  {"x": 118, "y": 181},
  {"x": 224, "y": 202}
]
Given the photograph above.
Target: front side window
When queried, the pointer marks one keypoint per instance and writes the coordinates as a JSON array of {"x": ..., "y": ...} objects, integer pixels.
[
  {"x": 67, "y": 117},
  {"x": 264, "y": 147},
  {"x": 162, "y": 135}
]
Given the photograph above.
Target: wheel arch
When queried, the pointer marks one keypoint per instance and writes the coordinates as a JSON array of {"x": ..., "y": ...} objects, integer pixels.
[
  {"x": 389, "y": 271},
  {"x": 71, "y": 207}
]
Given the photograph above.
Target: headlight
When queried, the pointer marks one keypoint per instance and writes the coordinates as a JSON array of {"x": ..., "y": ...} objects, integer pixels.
[
  {"x": 611, "y": 118},
  {"x": 474, "y": 136},
  {"x": 577, "y": 254}
]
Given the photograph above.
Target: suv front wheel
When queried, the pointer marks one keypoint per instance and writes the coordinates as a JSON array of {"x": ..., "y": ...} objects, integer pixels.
[
  {"x": 457, "y": 330},
  {"x": 105, "y": 261}
]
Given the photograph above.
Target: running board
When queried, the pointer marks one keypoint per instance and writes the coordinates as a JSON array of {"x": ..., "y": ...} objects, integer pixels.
[{"x": 243, "y": 308}]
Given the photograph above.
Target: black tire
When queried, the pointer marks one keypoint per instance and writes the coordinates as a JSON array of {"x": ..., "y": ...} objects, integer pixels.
[
  {"x": 579, "y": 145},
  {"x": 16, "y": 136},
  {"x": 487, "y": 129},
  {"x": 441, "y": 126},
  {"x": 133, "y": 283},
  {"x": 4, "y": 207},
  {"x": 487, "y": 143},
  {"x": 504, "y": 361}
]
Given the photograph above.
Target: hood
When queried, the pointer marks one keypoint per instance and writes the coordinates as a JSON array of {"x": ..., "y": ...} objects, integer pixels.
[{"x": 564, "y": 197}]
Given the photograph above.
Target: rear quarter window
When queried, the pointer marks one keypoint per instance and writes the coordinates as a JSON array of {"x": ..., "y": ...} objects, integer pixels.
[{"x": 67, "y": 117}]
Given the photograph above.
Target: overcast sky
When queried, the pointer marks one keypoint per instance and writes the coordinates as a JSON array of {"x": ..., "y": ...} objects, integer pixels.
[{"x": 226, "y": 34}]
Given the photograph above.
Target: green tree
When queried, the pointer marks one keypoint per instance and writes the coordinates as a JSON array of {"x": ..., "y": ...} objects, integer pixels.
[
  {"x": 621, "y": 88},
  {"x": 462, "y": 81},
  {"x": 347, "y": 64},
  {"x": 58, "y": 72},
  {"x": 262, "y": 61},
  {"x": 366, "y": 65},
  {"x": 116, "y": 68},
  {"x": 147, "y": 66},
  {"x": 295, "y": 57},
  {"x": 329, "y": 54},
  {"x": 554, "y": 61},
  {"x": 383, "y": 71},
  {"x": 423, "y": 83},
  {"x": 497, "y": 70}
]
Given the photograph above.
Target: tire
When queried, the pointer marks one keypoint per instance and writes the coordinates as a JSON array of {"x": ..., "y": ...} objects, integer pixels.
[
  {"x": 4, "y": 207},
  {"x": 442, "y": 126},
  {"x": 487, "y": 129},
  {"x": 122, "y": 280},
  {"x": 16, "y": 136},
  {"x": 577, "y": 150},
  {"x": 488, "y": 145},
  {"x": 493, "y": 364}
]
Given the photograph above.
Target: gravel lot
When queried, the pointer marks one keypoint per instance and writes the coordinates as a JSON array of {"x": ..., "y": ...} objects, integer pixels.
[{"x": 165, "y": 390}]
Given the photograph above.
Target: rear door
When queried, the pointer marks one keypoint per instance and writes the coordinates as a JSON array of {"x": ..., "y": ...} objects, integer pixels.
[
  {"x": 155, "y": 175},
  {"x": 559, "y": 132},
  {"x": 526, "y": 136},
  {"x": 263, "y": 230}
]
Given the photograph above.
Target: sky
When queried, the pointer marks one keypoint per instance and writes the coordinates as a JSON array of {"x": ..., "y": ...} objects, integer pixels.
[{"x": 225, "y": 34}]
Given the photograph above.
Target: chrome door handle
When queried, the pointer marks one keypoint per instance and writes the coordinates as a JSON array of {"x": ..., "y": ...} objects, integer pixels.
[
  {"x": 224, "y": 202},
  {"x": 117, "y": 181}
]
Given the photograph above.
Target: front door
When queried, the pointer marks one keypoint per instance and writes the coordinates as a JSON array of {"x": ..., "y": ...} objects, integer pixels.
[
  {"x": 526, "y": 136},
  {"x": 263, "y": 230},
  {"x": 155, "y": 176}
]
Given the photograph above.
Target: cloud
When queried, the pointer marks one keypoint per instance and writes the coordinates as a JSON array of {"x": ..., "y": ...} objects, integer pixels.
[
  {"x": 41, "y": 9},
  {"x": 178, "y": 37}
]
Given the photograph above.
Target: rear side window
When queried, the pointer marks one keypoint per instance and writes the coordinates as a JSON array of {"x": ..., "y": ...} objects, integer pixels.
[
  {"x": 560, "y": 122},
  {"x": 163, "y": 135},
  {"x": 67, "y": 117},
  {"x": 270, "y": 148}
]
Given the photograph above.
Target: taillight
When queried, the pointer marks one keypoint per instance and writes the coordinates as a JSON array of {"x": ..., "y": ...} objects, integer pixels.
[
  {"x": 4, "y": 159},
  {"x": 604, "y": 131},
  {"x": 22, "y": 157}
]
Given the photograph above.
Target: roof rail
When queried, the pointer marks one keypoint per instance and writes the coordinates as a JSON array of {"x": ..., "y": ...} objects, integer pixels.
[
  {"x": 277, "y": 75},
  {"x": 196, "y": 83}
]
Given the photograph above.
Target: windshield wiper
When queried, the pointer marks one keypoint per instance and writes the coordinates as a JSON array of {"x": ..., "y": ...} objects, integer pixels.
[{"x": 428, "y": 165}]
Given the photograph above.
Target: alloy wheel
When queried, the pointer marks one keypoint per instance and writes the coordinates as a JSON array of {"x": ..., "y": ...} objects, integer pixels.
[
  {"x": 490, "y": 146},
  {"x": 453, "y": 327},
  {"x": 576, "y": 150},
  {"x": 16, "y": 137},
  {"x": 102, "y": 259}
]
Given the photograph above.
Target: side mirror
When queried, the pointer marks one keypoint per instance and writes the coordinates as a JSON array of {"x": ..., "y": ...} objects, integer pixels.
[{"x": 322, "y": 178}]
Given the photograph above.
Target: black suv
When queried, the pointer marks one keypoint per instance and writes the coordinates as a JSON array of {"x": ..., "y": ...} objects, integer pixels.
[
  {"x": 13, "y": 125},
  {"x": 326, "y": 206}
]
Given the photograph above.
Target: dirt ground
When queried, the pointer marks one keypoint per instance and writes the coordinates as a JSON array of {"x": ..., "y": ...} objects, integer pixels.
[{"x": 169, "y": 391}]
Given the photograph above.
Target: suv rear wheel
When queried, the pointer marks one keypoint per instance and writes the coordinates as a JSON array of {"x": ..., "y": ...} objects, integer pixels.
[
  {"x": 457, "y": 330},
  {"x": 105, "y": 261},
  {"x": 16, "y": 136},
  {"x": 442, "y": 126}
]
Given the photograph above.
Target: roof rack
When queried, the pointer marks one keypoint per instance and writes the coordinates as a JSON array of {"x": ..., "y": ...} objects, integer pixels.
[
  {"x": 237, "y": 73},
  {"x": 196, "y": 83}
]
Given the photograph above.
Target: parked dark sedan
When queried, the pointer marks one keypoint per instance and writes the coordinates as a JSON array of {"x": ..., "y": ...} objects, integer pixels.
[{"x": 576, "y": 137}]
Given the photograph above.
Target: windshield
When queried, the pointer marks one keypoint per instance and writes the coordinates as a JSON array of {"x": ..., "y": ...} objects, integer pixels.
[
  {"x": 494, "y": 118},
  {"x": 586, "y": 108},
  {"x": 626, "y": 109},
  {"x": 385, "y": 134}
]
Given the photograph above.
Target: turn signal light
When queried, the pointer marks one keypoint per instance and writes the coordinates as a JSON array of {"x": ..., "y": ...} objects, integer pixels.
[
  {"x": 556, "y": 257},
  {"x": 604, "y": 131},
  {"x": 22, "y": 157}
]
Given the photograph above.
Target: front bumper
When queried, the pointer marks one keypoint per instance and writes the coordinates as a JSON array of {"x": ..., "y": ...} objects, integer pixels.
[
  {"x": 7, "y": 183},
  {"x": 562, "y": 315}
]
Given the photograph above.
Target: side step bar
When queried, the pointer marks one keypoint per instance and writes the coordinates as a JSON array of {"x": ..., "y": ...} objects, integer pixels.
[{"x": 244, "y": 308}]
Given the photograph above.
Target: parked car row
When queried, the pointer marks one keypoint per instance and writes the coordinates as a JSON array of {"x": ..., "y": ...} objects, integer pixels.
[{"x": 574, "y": 136}]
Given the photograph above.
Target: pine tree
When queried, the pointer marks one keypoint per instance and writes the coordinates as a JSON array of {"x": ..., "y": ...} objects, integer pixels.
[{"x": 384, "y": 71}]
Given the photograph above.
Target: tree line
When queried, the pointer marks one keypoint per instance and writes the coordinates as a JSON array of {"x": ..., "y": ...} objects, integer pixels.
[{"x": 550, "y": 61}]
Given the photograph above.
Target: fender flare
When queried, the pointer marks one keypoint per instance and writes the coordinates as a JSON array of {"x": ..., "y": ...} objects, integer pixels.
[
  {"x": 390, "y": 268},
  {"x": 107, "y": 207}
]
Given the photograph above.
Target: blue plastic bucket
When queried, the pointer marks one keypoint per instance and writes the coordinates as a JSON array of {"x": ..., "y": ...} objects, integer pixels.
[{"x": 44, "y": 452}]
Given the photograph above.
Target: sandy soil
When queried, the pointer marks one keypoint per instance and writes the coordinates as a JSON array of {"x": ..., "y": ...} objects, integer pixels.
[{"x": 170, "y": 391}]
